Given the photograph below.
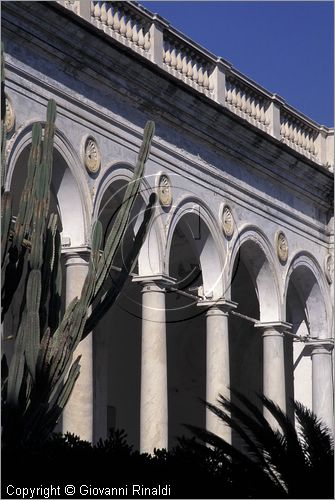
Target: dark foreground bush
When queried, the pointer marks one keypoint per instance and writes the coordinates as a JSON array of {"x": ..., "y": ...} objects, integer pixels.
[
  {"x": 66, "y": 460},
  {"x": 293, "y": 462}
]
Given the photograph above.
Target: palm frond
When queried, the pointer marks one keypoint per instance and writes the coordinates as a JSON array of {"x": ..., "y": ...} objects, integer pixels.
[{"x": 286, "y": 462}]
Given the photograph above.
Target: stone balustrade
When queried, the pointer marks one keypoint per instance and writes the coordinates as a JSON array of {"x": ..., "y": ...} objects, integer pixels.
[
  {"x": 251, "y": 105},
  {"x": 298, "y": 134},
  {"x": 121, "y": 21},
  {"x": 152, "y": 37},
  {"x": 187, "y": 63}
]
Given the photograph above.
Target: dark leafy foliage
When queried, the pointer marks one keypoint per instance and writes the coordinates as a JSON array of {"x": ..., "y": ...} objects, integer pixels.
[
  {"x": 111, "y": 463},
  {"x": 287, "y": 462}
]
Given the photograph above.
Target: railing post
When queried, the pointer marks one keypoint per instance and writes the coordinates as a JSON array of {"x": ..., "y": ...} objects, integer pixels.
[
  {"x": 156, "y": 40},
  {"x": 219, "y": 81},
  {"x": 273, "y": 114},
  {"x": 330, "y": 149},
  {"x": 321, "y": 144},
  {"x": 84, "y": 9}
]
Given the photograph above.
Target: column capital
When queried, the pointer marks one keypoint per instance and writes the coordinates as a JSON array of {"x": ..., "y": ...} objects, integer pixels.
[
  {"x": 274, "y": 328},
  {"x": 320, "y": 346},
  {"x": 76, "y": 256},
  {"x": 220, "y": 306},
  {"x": 155, "y": 282}
]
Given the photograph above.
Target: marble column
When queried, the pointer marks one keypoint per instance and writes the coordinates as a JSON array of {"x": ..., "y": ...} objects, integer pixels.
[
  {"x": 274, "y": 365},
  {"x": 78, "y": 413},
  {"x": 322, "y": 380},
  {"x": 217, "y": 361},
  {"x": 154, "y": 399}
]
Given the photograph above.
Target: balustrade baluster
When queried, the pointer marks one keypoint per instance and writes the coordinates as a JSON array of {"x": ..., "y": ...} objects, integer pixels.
[
  {"x": 117, "y": 20},
  {"x": 190, "y": 69},
  {"x": 97, "y": 11},
  {"x": 295, "y": 132},
  {"x": 247, "y": 104},
  {"x": 234, "y": 94},
  {"x": 243, "y": 97},
  {"x": 210, "y": 81},
  {"x": 200, "y": 76},
  {"x": 195, "y": 71},
  {"x": 301, "y": 135},
  {"x": 167, "y": 59},
  {"x": 238, "y": 98},
  {"x": 179, "y": 65},
  {"x": 173, "y": 57},
  {"x": 147, "y": 41},
  {"x": 311, "y": 142},
  {"x": 110, "y": 16},
  {"x": 135, "y": 30},
  {"x": 229, "y": 93},
  {"x": 103, "y": 13},
  {"x": 288, "y": 129},
  {"x": 312, "y": 147},
  {"x": 258, "y": 110},
  {"x": 184, "y": 68},
  {"x": 291, "y": 136},
  {"x": 261, "y": 116},
  {"x": 253, "y": 111},
  {"x": 206, "y": 79},
  {"x": 129, "y": 29},
  {"x": 282, "y": 129},
  {"x": 123, "y": 27},
  {"x": 140, "y": 37}
]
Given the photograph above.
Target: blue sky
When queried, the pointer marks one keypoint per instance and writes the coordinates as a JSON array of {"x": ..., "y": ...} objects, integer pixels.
[{"x": 287, "y": 47}]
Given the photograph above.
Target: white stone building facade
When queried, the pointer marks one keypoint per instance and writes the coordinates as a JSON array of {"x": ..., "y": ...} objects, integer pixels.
[{"x": 234, "y": 284}]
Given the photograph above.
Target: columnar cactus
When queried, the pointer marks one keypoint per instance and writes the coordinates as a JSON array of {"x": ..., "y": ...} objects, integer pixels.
[{"x": 41, "y": 373}]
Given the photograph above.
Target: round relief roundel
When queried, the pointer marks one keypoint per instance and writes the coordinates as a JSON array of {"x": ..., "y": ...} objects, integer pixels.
[
  {"x": 282, "y": 246},
  {"x": 227, "y": 221},
  {"x": 164, "y": 191},
  {"x": 10, "y": 116},
  {"x": 92, "y": 156}
]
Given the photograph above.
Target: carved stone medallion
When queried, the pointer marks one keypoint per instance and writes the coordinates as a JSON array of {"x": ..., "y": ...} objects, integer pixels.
[
  {"x": 329, "y": 268},
  {"x": 227, "y": 221},
  {"x": 164, "y": 191},
  {"x": 92, "y": 156},
  {"x": 10, "y": 116},
  {"x": 282, "y": 246}
]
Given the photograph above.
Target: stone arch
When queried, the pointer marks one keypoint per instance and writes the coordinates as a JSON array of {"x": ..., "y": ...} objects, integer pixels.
[
  {"x": 307, "y": 278},
  {"x": 68, "y": 186},
  {"x": 253, "y": 247},
  {"x": 117, "y": 338},
  {"x": 115, "y": 178},
  {"x": 198, "y": 218},
  {"x": 308, "y": 308},
  {"x": 194, "y": 257}
]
